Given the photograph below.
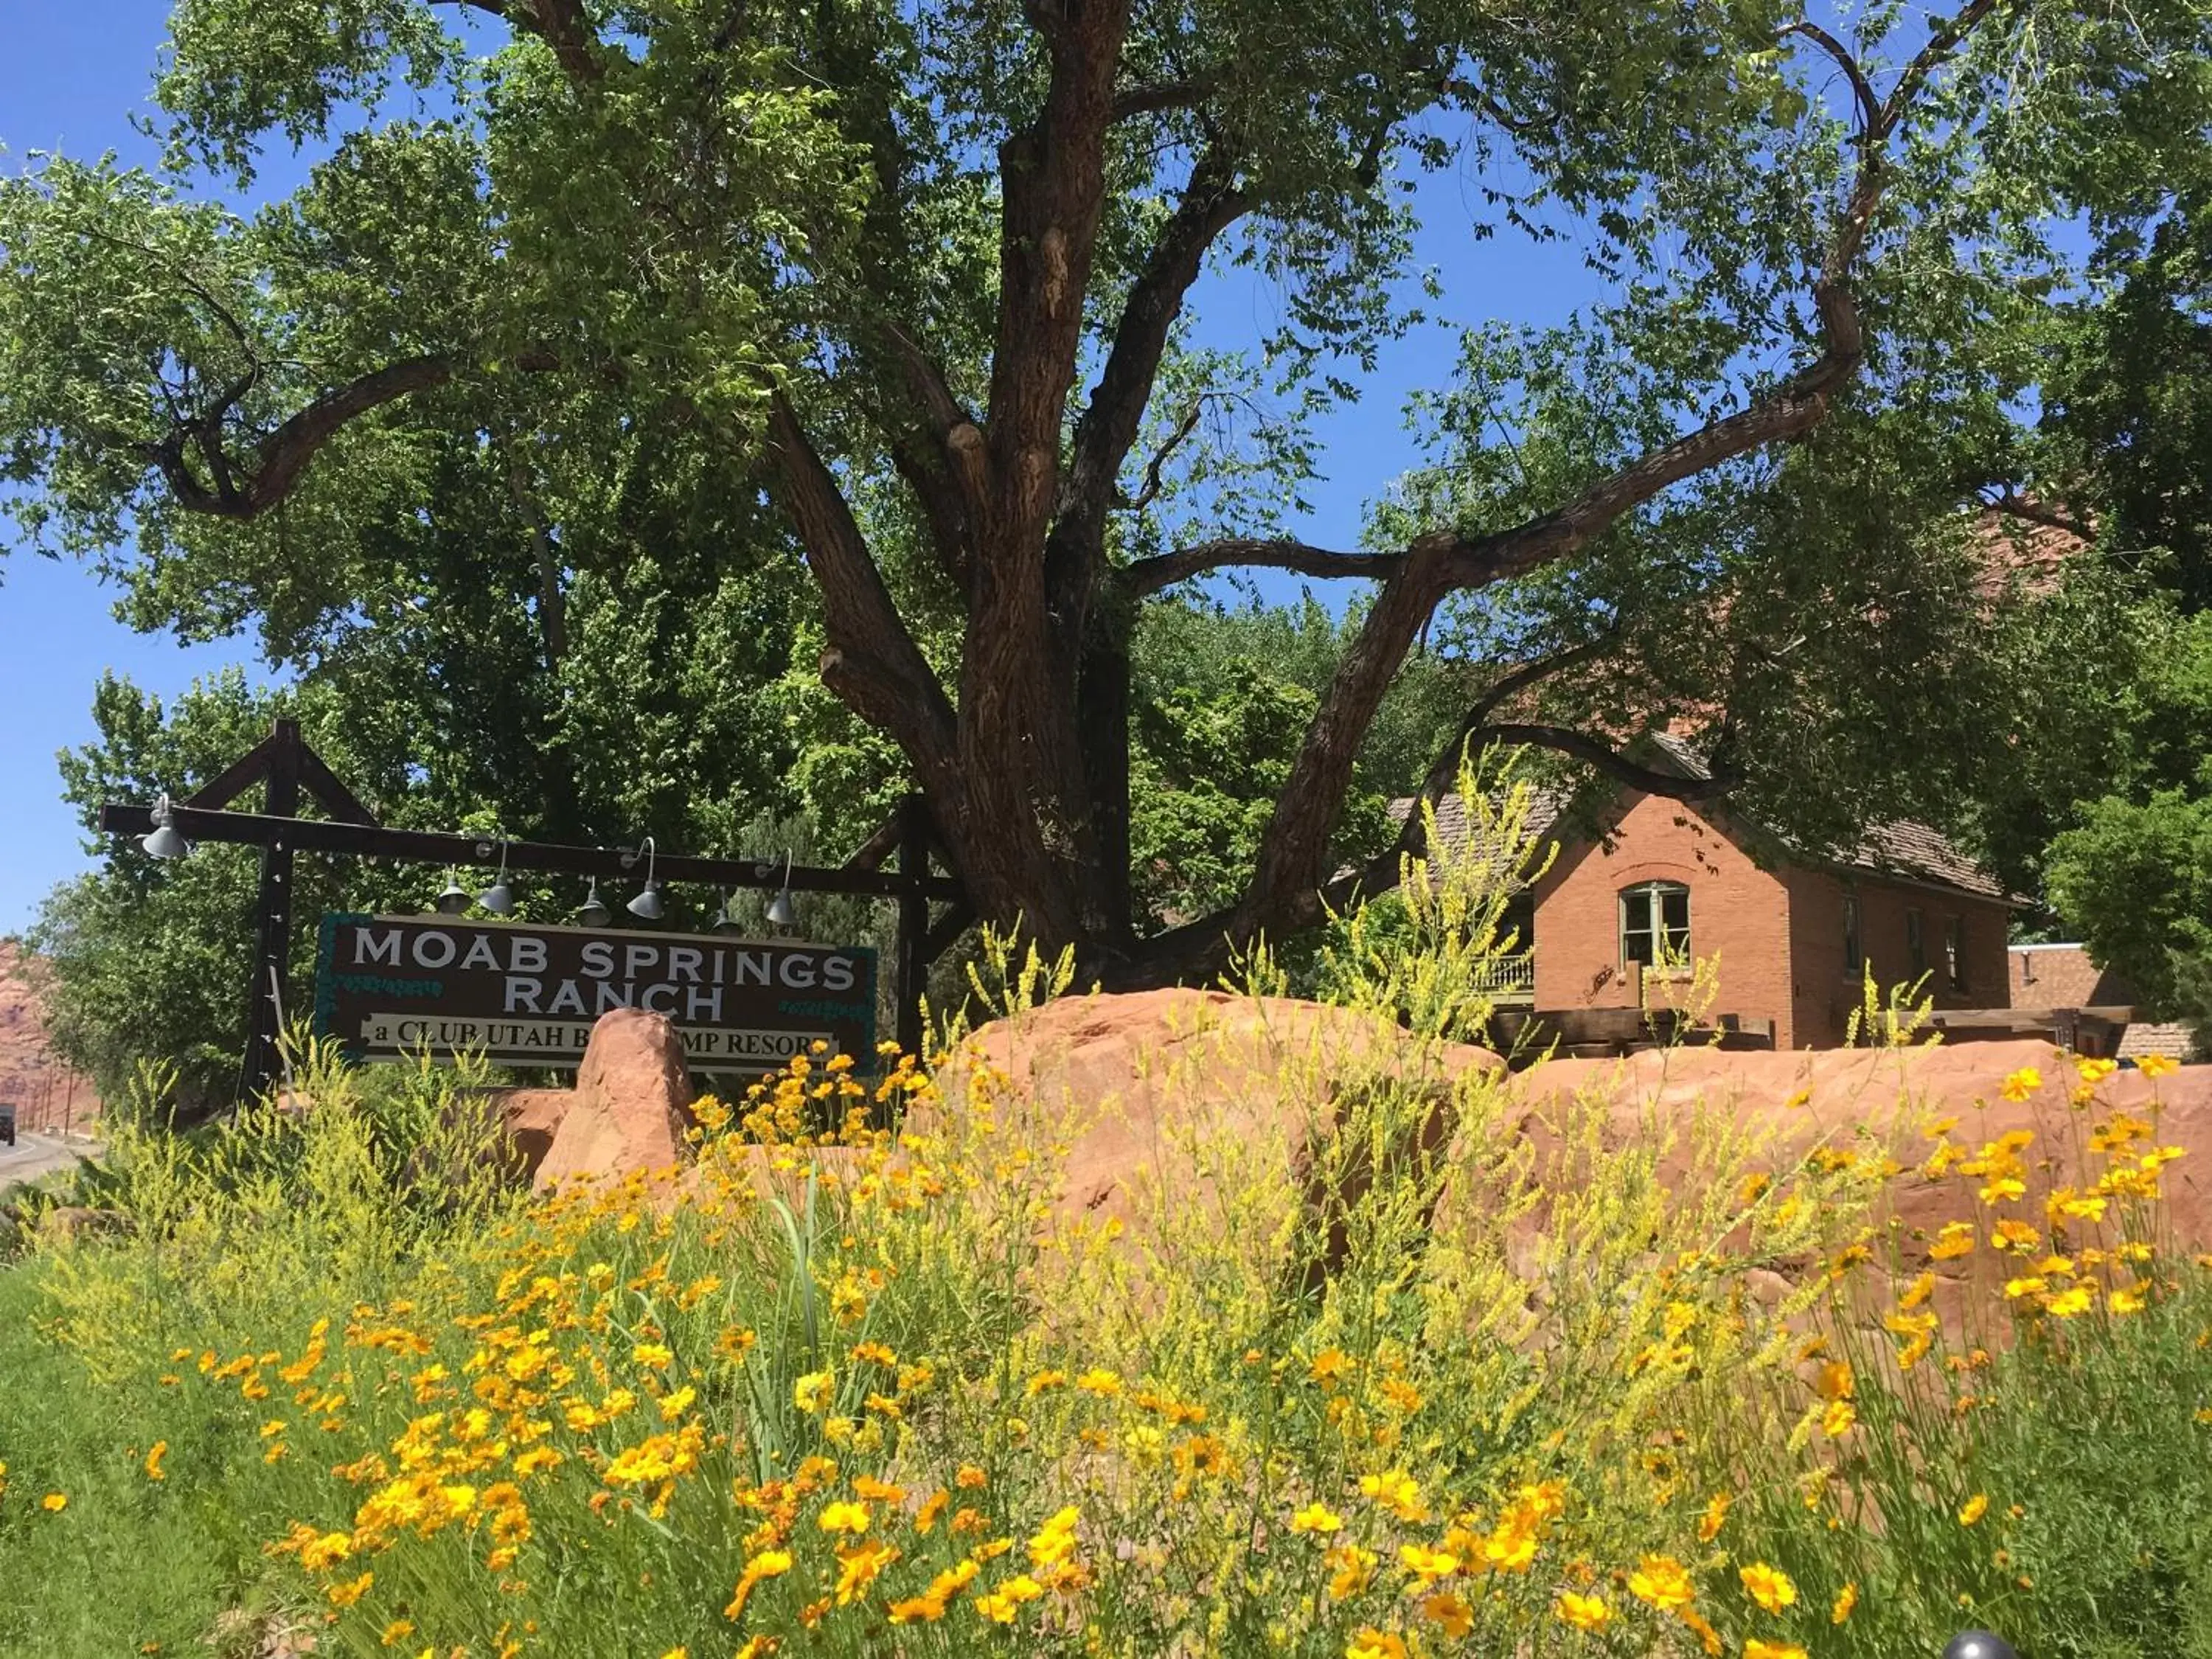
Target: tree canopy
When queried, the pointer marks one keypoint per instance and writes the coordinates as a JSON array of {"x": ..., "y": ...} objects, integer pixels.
[{"x": 663, "y": 298}]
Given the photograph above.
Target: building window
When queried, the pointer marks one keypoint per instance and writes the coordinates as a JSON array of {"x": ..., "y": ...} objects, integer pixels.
[
  {"x": 1655, "y": 924},
  {"x": 1954, "y": 952},
  {"x": 1916, "y": 943},
  {"x": 1854, "y": 957}
]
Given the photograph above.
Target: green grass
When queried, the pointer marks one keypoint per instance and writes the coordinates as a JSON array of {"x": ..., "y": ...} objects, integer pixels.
[{"x": 131, "y": 1564}]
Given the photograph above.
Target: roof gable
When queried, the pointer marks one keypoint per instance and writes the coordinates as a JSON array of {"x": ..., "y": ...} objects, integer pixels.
[{"x": 1902, "y": 849}]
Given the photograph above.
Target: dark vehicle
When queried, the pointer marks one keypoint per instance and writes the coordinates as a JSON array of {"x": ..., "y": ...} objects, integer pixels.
[{"x": 7, "y": 1124}]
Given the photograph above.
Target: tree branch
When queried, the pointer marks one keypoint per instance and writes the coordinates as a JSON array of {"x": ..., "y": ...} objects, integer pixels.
[
  {"x": 2032, "y": 511},
  {"x": 872, "y": 662},
  {"x": 1163, "y": 95},
  {"x": 967, "y": 459},
  {"x": 1150, "y": 491},
  {"x": 1869, "y": 108},
  {"x": 1075, "y": 553},
  {"x": 1381, "y": 872},
  {"x": 1294, "y": 850},
  {"x": 283, "y": 455},
  {"x": 1610, "y": 761},
  {"x": 563, "y": 25},
  {"x": 1147, "y": 576},
  {"x": 1053, "y": 181}
]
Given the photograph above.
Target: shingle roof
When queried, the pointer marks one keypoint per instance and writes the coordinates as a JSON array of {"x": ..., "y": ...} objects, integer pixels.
[{"x": 1902, "y": 847}]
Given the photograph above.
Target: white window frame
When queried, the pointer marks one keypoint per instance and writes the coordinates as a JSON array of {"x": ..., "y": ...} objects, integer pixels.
[{"x": 1670, "y": 946}]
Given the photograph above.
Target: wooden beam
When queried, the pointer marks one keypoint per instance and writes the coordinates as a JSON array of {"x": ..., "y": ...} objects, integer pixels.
[
  {"x": 947, "y": 928},
  {"x": 430, "y": 846},
  {"x": 871, "y": 853},
  {"x": 235, "y": 780}
]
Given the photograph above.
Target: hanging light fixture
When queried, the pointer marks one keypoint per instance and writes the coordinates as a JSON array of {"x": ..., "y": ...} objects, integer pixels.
[
  {"x": 499, "y": 897},
  {"x": 646, "y": 907},
  {"x": 454, "y": 899},
  {"x": 594, "y": 913},
  {"x": 782, "y": 912},
  {"x": 163, "y": 842},
  {"x": 724, "y": 922}
]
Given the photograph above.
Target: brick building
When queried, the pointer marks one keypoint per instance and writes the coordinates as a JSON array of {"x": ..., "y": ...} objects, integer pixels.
[
  {"x": 1615, "y": 922},
  {"x": 2051, "y": 976}
]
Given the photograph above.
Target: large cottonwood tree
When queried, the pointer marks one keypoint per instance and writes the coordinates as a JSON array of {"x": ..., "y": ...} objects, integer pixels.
[{"x": 923, "y": 274}]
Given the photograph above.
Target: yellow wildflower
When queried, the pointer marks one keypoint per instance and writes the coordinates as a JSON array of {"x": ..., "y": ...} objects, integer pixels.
[
  {"x": 2021, "y": 1084},
  {"x": 1957, "y": 1239},
  {"x": 1584, "y": 1613},
  {"x": 1425, "y": 1563},
  {"x": 858, "y": 1564},
  {"x": 1768, "y": 1586},
  {"x": 1973, "y": 1509},
  {"x": 768, "y": 1563},
  {"x": 1000, "y": 1605},
  {"x": 1371, "y": 1644},
  {"x": 54, "y": 1502},
  {"x": 1662, "y": 1582},
  {"x": 843, "y": 1518},
  {"x": 1709, "y": 1523},
  {"x": 1448, "y": 1613},
  {"x": 1317, "y": 1517},
  {"x": 2075, "y": 1299},
  {"x": 1394, "y": 1491},
  {"x": 1846, "y": 1598},
  {"x": 153, "y": 1460},
  {"x": 326, "y": 1550},
  {"x": 1352, "y": 1568}
]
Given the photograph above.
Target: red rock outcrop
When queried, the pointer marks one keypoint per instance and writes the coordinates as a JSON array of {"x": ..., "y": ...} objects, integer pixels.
[
  {"x": 45, "y": 1092},
  {"x": 1143, "y": 1097},
  {"x": 629, "y": 1109},
  {"x": 531, "y": 1118},
  {"x": 1802, "y": 1101}
]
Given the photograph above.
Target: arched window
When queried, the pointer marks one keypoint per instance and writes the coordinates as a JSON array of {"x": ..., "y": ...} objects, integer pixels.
[{"x": 1655, "y": 924}]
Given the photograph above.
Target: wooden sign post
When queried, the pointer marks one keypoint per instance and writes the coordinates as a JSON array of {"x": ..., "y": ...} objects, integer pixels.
[{"x": 284, "y": 764}]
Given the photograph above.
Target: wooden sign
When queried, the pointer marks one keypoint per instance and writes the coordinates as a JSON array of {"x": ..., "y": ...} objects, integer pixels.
[{"x": 389, "y": 987}]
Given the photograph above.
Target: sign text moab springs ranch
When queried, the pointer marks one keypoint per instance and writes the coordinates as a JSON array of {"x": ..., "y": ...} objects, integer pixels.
[{"x": 392, "y": 986}]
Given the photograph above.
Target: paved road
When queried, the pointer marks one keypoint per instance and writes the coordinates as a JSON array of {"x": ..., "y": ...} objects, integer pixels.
[{"x": 35, "y": 1154}]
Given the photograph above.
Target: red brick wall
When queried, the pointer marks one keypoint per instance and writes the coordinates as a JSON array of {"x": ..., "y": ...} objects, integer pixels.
[
  {"x": 2065, "y": 977},
  {"x": 1824, "y": 991},
  {"x": 1736, "y": 909},
  {"x": 1779, "y": 933}
]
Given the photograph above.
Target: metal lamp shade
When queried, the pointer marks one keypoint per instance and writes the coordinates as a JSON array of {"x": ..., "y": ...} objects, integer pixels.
[
  {"x": 594, "y": 913},
  {"x": 646, "y": 907},
  {"x": 163, "y": 842},
  {"x": 782, "y": 912},
  {"x": 455, "y": 899},
  {"x": 724, "y": 922},
  {"x": 498, "y": 898}
]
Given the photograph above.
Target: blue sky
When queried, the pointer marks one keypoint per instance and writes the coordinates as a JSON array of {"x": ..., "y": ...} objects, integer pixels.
[
  {"x": 69, "y": 81},
  {"x": 73, "y": 75}
]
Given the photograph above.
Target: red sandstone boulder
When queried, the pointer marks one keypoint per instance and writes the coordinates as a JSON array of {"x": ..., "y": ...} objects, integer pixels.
[
  {"x": 630, "y": 1107},
  {"x": 1801, "y": 1101},
  {"x": 1141, "y": 1104},
  {"x": 532, "y": 1118}
]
